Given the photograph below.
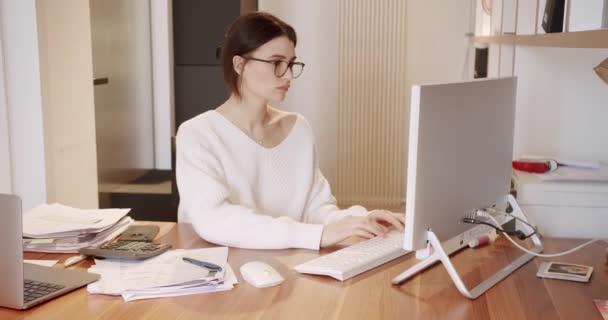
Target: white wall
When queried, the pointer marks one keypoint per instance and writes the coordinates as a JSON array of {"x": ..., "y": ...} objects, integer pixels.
[
  {"x": 314, "y": 94},
  {"x": 562, "y": 105},
  {"x": 161, "y": 29},
  {"x": 5, "y": 156},
  {"x": 66, "y": 71},
  {"x": 24, "y": 105},
  {"x": 436, "y": 51},
  {"x": 437, "y": 45}
]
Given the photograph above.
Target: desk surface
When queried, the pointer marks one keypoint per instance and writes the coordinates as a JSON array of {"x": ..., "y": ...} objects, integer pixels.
[{"x": 370, "y": 295}]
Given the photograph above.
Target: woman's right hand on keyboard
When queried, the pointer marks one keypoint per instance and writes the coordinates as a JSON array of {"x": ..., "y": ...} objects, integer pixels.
[{"x": 366, "y": 227}]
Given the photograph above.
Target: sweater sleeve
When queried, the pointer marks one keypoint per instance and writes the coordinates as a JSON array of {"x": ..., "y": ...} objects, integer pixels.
[
  {"x": 204, "y": 202},
  {"x": 322, "y": 205}
]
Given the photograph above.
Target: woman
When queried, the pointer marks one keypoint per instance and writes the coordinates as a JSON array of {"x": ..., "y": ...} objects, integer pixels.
[{"x": 247, "y": 173}]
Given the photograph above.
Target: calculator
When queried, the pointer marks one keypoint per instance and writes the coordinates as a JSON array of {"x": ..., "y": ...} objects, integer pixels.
[{"x": 134, "y": 243}]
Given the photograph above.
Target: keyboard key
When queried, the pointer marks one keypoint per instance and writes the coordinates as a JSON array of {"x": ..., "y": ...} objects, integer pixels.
[{"x": 36, "y": 289}]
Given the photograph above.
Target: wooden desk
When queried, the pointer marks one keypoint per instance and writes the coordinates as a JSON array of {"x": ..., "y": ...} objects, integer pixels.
[{"x": 370, "y": 295}]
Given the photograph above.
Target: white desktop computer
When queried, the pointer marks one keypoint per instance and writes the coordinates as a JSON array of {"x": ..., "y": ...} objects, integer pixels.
[{"x": 459, "y": 162}]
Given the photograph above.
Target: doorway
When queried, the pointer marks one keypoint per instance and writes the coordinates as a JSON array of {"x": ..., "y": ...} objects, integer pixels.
[{"x": 124, "y": 110}]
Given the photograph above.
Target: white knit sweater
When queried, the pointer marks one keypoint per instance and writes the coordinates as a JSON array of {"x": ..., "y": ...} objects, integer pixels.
[{"x": 240, "y": 194}]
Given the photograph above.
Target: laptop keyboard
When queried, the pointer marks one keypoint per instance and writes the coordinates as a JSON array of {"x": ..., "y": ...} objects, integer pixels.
[{"x": 33, "y": 290}]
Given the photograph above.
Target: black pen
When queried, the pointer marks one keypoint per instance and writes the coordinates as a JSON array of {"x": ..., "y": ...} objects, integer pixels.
[{"x": 207, "y": 265}]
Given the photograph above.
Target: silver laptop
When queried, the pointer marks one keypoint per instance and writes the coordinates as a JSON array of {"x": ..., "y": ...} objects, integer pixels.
[{"x": 23, "y": 285}]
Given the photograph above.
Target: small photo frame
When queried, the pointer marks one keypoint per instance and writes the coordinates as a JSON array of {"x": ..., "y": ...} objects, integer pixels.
[
  {"x": 569, "y": 269},
  {"x": 565, "y": 271}
]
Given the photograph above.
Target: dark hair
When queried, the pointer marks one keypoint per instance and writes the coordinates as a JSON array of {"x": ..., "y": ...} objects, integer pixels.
[{"x": 247, "y": 33}]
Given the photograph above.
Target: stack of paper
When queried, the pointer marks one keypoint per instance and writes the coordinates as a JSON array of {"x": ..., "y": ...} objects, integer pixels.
[
  {"x": 59, "y": 228},
  {"x": 164, "y": 275}
]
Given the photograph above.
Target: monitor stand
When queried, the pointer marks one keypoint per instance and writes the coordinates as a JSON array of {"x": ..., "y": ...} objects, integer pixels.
[{"x": 439, "y": 255}]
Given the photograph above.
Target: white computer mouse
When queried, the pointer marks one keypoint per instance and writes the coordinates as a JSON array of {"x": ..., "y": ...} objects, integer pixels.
[{"x": 260, "y": 274}]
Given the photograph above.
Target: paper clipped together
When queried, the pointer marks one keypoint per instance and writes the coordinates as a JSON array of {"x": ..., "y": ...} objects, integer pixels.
[
  {"x": 59, "y": 221},
  {"x": 58, "y": 228},
  {"x": 164, "y": 275}
]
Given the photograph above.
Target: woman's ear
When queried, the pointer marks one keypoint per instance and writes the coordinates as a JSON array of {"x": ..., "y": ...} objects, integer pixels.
[{"x": 238, "y": 63}]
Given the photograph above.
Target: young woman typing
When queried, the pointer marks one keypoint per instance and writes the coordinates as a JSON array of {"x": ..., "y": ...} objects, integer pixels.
[{"x": 247, "y": 173}]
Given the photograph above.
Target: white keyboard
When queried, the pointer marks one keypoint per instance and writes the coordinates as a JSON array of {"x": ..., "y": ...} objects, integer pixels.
[{"x": 358, "y": 258}]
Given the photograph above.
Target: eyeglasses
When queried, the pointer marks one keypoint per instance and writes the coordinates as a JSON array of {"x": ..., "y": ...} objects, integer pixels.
[{"x": 281, "y": 67}]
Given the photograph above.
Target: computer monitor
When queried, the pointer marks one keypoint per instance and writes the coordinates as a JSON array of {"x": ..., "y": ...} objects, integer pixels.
[{"x": 460, "y": 153}]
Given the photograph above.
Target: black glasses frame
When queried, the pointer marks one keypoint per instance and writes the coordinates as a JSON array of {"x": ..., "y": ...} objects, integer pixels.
[{"x": 277, "y": 63}]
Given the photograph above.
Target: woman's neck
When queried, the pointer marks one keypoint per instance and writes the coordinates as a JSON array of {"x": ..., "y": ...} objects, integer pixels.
[{"x": 250, "y": 114}]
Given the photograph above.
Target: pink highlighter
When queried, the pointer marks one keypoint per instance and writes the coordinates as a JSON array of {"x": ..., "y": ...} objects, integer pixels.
[
  {"x": 535, "y": 166},
  {"x": 480, "y": 241}
]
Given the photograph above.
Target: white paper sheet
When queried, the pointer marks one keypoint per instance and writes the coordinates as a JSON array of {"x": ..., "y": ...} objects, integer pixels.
[
  {"x": 576, "y": 174},
  {"x": 46, "y": 263},
  {"x": 164, "y": 275},
  {"x": 56, "y": 221},
  {"x": 73, "y": 244},
  {"x": 228, "y": 284}
]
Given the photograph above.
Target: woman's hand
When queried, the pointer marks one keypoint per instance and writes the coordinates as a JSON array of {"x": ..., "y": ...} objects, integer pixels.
[{"x": 377, "y": 223}]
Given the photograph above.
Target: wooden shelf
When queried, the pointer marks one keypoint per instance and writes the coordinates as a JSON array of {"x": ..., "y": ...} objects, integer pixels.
[{"x": 579, "y": 39}]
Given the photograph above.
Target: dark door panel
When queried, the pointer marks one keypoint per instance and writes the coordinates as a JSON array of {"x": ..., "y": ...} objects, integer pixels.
[{"x": 197, "y": 89}]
